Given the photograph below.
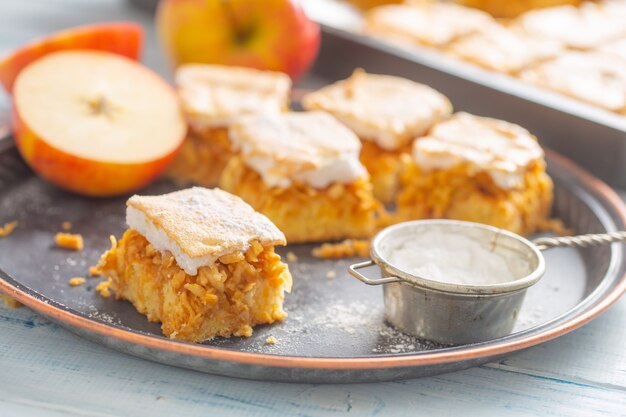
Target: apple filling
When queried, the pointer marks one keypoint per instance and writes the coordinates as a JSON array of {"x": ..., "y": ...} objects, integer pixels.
[
  {"x": 305, "y": 213},
  {"x": 477, "y": 169},
  {"x": 226, "y": 298},
  {"x": 202, "y": 158},
  {"x": 384, "y": 168},
  {"x": 459, "y": 194}
]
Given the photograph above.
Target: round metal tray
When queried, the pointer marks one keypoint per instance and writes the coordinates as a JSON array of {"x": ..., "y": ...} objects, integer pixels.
[{"x": 335, "y": 331}]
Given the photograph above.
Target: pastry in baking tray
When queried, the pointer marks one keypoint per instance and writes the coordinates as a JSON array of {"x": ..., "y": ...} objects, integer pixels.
[
  {"x": 504, "y": 50},
  {"x": 199, "y": 261},
  {"x": 593, "y": 77},
  {"x": 477, "y": 169},
  {"x": 387, "y": 113},
  {"x": 432, "y": 24},
  {"x": 512, "y": 8},
  {"x": 302, "y": 170},
  {"x": 588, "y": 26},
  {"x": 616, "y": 48},
  {"x": 212, "y": 97}
]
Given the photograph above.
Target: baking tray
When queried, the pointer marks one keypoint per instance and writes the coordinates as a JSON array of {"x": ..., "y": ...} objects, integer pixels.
[
  {"x": 335, "y": 331},
  {"x": 593, "y": 137}
]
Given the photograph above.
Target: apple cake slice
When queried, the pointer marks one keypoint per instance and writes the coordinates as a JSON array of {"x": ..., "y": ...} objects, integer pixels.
[
  {"x": 212, "y": 97},
  {"x": 199, "y": 261},
  {"x": 591, "y": 77},
  {"x": 505, "y": 50},
  {"x": 424, "y": 23},
  {"x": 302, "y": 170},
  {"x": 477, "y": 169},
  {"x": 387, "y": 113}
]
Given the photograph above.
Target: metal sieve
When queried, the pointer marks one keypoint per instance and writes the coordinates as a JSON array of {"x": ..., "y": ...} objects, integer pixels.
[{"x": 457, "y": 313}]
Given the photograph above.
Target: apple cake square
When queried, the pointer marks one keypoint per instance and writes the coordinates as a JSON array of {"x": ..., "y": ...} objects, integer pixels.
[
  {"x": 212, "y": 97},
  {"x": 199, "y": 261},
  {"x": 501, "y": 49},
  {"x": 477, "y": 169},
  {"x": 387, "y": 113},
  {"x": 587, "y": 26},
  {"x": 592, "y": 77},
  {"x": 302, "y": 170},
  {"x": 616, "y": 48},
  {"x": 430, "y": 24}
]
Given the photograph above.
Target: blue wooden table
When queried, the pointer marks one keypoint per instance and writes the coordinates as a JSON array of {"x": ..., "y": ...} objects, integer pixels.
[{"x": 47, "y": 371}]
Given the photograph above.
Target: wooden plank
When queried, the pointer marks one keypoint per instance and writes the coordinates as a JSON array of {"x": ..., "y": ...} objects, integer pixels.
[
  {"x": 48, "y": 370},
  {"x": 592, "y": 355}
]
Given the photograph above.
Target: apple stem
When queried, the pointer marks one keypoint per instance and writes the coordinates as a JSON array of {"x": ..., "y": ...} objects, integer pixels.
[{"x": 242, "y": 34}]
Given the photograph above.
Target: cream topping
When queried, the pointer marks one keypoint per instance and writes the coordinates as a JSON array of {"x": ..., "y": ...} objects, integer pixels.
[
  {"x": 431, "y": 24},
  {"x": 308, "y": 147},
  {"x": 501, "y": 149},
  {"x": 390, "y": 111},
  {"x": 198, "y": 225},
  {"x": 214, "y": 95}
]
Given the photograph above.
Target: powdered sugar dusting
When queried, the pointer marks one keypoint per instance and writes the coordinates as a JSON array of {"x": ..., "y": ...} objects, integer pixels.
[{"x": 198, "y": 225}]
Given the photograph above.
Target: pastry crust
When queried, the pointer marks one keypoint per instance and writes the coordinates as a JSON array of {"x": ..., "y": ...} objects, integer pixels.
[
  {"x": 391, "y": 111},
  {"x": 213, "y": 95},
  {"x": 305, "y": 213},
  {"x": 205, "y": 222},
  {"x": 308, "y": 147}
]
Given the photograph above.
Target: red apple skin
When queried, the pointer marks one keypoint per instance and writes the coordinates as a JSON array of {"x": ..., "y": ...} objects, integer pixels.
[
  {"x": 83, "y": 176},
  {"x": 264, "y": 34},
  {"x": 122, "y": 38}
]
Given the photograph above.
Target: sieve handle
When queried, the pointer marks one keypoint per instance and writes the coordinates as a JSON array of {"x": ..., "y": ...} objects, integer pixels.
[
  {"x": 353, "y": 269},
  {"x": 581, "y": 241}
]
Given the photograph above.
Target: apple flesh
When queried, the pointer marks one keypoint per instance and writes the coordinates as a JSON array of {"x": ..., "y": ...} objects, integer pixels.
[
  {"x": 120, "y": 38},
  {"x": 95, "y": 123},
  {"x": 264, "y": 34}
]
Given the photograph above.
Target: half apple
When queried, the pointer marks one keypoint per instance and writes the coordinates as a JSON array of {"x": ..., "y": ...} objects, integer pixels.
[
  {"x": 122, "y": 38},
  {"x": 95, "y": 123}
]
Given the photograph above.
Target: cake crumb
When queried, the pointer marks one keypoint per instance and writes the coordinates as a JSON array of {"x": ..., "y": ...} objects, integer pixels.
[
  {"x": 69, "y": 241},
  {"x": 10, "y": 302},
  {"x": 331, "y": 275},
  {"x": 348, "y": 248},
  {"x": 271, "y": 340},
  {"x": 8, "y": 228},
  {"x": 66, "y": 225},
  {"x": 291, "y": 257},
  {"x": 94, "y": 271},
  {"x": 103, "y": 288},
  {"x": 76, "y": 281},
  {"x": 555, "y": 226}
]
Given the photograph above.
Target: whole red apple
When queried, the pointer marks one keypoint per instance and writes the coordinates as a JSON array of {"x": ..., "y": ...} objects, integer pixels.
[{"x": 264, "y": 34}]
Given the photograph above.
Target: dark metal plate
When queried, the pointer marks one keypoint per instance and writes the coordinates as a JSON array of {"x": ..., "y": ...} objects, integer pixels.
[{"x": 335, "y": 331}]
